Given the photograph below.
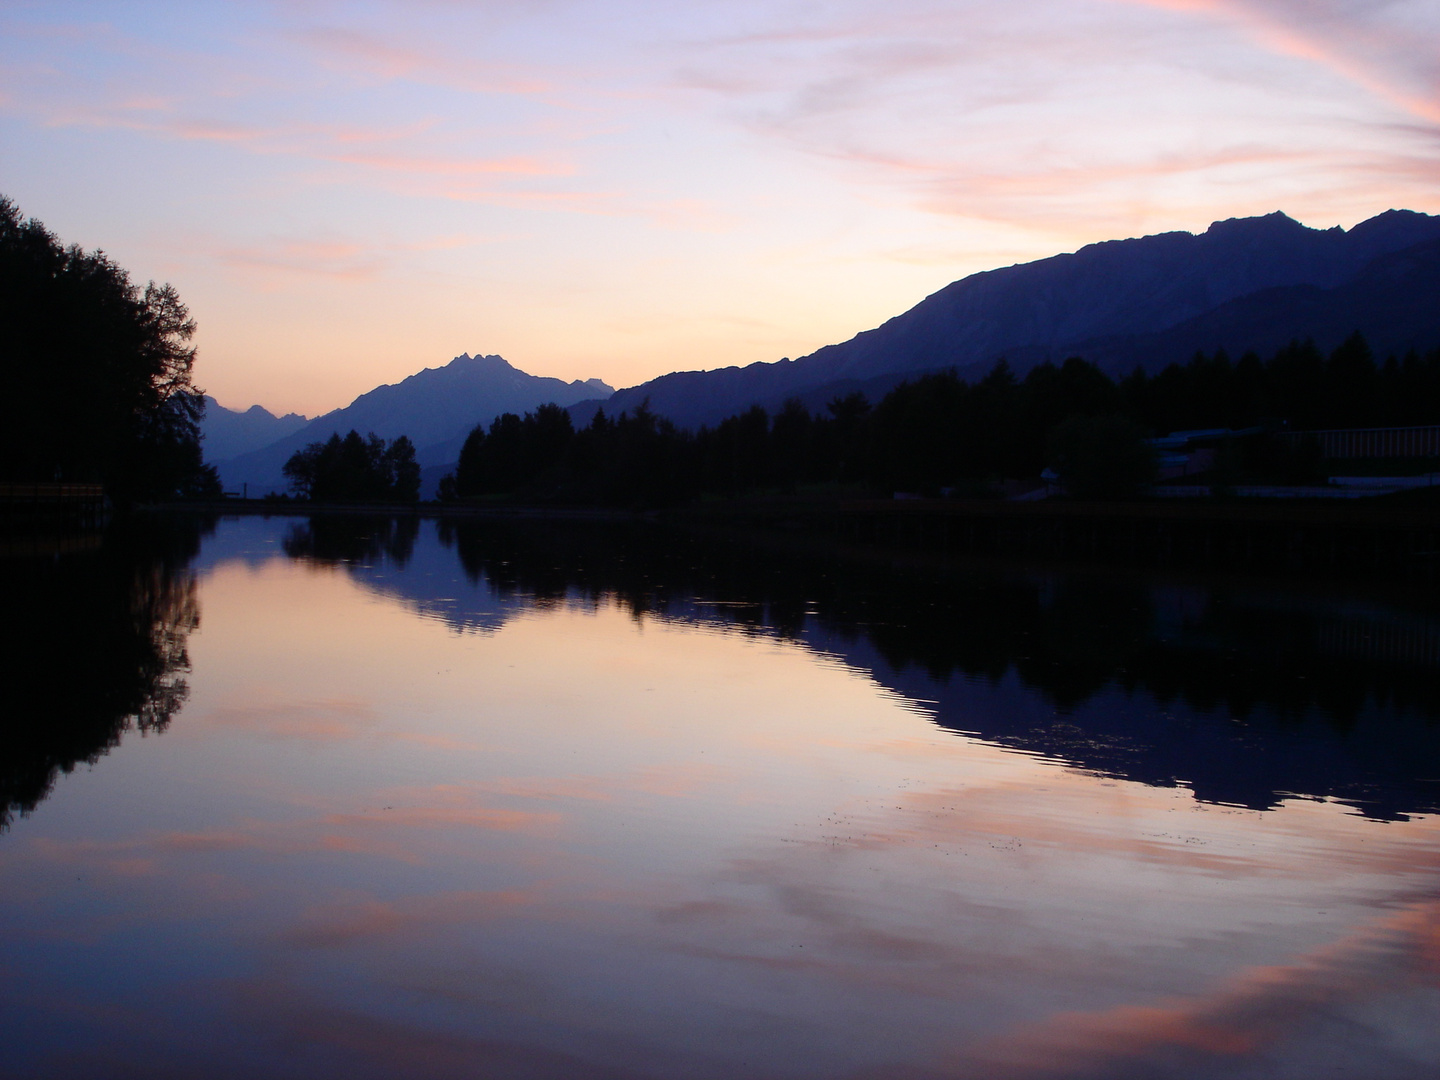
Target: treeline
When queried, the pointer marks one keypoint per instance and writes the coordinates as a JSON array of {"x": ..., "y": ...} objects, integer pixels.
[
  {"x": 942, "y": 432},
  {"x": 1299, "y": 387},
  {"x": 355, "y": 469},
  {"x": 94, "y": 372}
]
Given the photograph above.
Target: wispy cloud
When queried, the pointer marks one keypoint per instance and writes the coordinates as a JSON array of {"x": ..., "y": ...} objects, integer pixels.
[
  {"x": 552, "y": 181},
  {"x": 354, "y": 50},
  {"x": 848, "y": 155},
  {"x": 277, "y": 262},
  {"x": 339, "y": 145},
  {"x": 437, "y": 166},
  {"x": 1040, "y": 112},
  {"x": 1398, "y": 62}
]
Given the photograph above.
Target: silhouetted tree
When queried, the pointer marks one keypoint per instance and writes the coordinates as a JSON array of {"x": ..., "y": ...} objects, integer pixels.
[
  {"x": 94, "y": 371},
  {"x": 1102, "y": 457},
  {"x": 1352, "y": 385},
  {"x": 842, "y": 439},
  {"x": 355, "y": 469},
  {"x": 403, "y": 470},
  {"x": 916, "y": 433},
  {"x": 518, "y": 453},
  {"x": 791, "y": 437}
]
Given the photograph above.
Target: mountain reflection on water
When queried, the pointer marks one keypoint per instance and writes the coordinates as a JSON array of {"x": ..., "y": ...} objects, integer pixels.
[
  {"x": 97, "y": 647},
  {"x": 1246, "y": 693}
]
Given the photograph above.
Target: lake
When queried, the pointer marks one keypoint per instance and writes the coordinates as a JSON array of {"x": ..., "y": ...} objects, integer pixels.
[{"x": 366, "y": 797}]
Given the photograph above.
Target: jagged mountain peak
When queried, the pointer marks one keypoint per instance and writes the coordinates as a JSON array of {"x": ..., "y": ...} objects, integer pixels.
[
  {"x": 1274, "y": 223},
  {"x": 229, "y": 432},
  {"x": 435, "y": 407}
]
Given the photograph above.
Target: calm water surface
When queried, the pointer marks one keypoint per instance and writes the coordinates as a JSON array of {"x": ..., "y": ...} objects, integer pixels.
[{"x": 362, "y": 798}]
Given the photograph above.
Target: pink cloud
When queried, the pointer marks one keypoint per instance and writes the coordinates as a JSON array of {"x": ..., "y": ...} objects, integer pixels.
[
  {"x": 456, "y": 173},
  {"x": 276, "y": 261},
  {"x": 448, "y": 242},
  {"x": 297, "y": 262},
  {"x": 215, "y": 131},
  {"x": 612, "y": 203},
  {"x": 370, "y": 54},
  {"x": 922, "y": 99},
  {"x": 1025, "y": 190},
  {"x": 1341, "y": 39},
  {"x": 438, "y": 166}
]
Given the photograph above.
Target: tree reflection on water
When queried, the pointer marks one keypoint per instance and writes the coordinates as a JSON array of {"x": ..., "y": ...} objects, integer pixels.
[
  {"x": 1246, "y": 691},
  {"x": 97, "y": 647},
  {"x": 353, "y": 539}
]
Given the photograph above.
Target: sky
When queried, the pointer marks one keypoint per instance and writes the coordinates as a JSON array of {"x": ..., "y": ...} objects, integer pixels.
[{"x": 345, "y": 193}]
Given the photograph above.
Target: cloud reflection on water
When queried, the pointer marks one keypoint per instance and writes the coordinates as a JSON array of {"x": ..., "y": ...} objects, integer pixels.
[{"x": 1276, "y": 1005}]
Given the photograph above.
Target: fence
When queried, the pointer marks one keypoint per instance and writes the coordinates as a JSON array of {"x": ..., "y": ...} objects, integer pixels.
[
  {"x": 1395, "y": 442},
  {"x": 80, "y": 504}
]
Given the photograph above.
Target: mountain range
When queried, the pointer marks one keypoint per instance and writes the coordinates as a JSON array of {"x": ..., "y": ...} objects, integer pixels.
[
  {"x": 1245, "y": 283},
  {"x": 436, "y": 408},
  {"x": 231, "y": 432}
]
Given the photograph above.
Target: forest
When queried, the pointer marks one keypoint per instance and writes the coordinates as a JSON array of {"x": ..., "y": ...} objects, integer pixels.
[{"x": 942, "y": 433}]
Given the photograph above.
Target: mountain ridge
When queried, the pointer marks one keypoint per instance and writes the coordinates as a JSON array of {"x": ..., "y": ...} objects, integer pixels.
[
  {"x": 1244, "y": 283},
  {"x": 230, "y": 432},
  {"x": 1052, "y": 308},
  {"x": 1379, "y": 302},
  {"x": 435, "y": 408}
]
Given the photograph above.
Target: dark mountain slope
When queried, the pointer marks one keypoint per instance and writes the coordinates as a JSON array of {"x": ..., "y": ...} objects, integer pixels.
[
  {"x": 1046, "y": 310},
  {"x": 1394, "y": 302},
  {"x": 690, "y": 399}
]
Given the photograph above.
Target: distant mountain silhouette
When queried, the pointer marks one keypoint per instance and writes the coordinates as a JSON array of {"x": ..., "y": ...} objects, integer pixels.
[
  {"x": 1246, "y": 282},
  {"x": 436, "y": 408},
  {"x": 230, "y": 432}
]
